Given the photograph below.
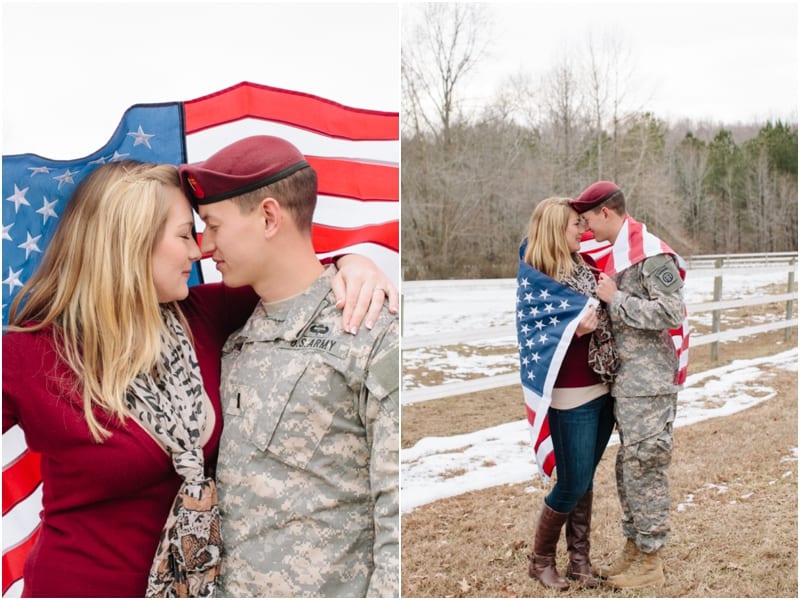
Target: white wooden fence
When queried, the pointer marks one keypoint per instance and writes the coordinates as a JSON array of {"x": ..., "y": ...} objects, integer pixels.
[{"x": 710, "y": 265}]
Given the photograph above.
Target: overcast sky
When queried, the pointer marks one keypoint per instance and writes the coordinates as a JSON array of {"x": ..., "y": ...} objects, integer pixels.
[
  {"x": 71, "y": 69},
  {"x": 721, "y": 61}
]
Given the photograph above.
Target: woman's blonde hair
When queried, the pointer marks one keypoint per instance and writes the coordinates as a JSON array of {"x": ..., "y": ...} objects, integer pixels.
[
  {"x": 95, "y": 283},
  {"x": 547, "y": 249}
]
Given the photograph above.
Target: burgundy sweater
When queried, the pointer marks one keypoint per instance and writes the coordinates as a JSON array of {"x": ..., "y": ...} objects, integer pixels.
[
  {"x": 104, "y": 505},
  {"x": 575, "y": 371}
]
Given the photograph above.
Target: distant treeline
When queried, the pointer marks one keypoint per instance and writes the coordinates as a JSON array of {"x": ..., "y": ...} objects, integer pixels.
[{"x": 468, "y": 189}]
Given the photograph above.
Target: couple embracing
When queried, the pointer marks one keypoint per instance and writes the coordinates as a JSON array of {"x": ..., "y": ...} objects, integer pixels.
[{"x": 615, "y": 363}]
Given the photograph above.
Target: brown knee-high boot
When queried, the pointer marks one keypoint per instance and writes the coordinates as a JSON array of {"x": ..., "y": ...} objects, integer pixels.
[
  {"x": 578, "y": 531},
  {"x": 542, "y": 562}
]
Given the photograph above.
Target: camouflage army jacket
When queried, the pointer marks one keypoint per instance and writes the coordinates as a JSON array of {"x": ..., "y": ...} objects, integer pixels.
[
  {"x": 647, "y": 304},
  {"x": 308, "y": 462}
]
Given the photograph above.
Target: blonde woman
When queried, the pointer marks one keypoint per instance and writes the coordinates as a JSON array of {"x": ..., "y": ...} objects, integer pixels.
[
  {"x": 581, "y": 414},
  {"x": 111, "y": 368}
]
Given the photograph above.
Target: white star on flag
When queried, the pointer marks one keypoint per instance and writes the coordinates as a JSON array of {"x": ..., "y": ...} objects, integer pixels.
[
  {"x": 563, "y": 308},
  {"x": 140, "y": 137},
  {"x": 354, "y": 151},
  {"x": 29, "y": 245},
  {"x": 18, "y": 197},
  {"x": 13, "y": 279},
  {"x": 65, "y": 178},
  {"x": 47, "y": 209}
]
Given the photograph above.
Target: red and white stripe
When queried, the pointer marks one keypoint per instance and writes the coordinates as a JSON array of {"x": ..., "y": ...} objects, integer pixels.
[
  {"x": 356, "y": 153},
  {"x": 22, "y": 501},
  {"x": 536, "y": 413},
  {"x": 634, "y": 244}
]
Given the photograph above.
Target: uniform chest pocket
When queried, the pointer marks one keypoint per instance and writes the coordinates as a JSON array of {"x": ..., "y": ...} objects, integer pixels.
[{"x": 279, "y": 418}]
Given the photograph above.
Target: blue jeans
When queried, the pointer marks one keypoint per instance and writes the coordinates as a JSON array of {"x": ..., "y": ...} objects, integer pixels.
[{"x": 580, "y": 436}]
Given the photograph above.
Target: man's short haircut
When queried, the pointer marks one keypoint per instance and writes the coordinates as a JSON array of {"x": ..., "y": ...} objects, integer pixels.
[
  {"x": 615, "y": 203},
  {"x": 296, "y": 193}
]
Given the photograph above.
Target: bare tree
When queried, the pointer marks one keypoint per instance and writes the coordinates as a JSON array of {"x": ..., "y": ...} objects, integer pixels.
[
  {"x": 522, "y": 99},
  {"x": 441, "y": 204},
  {"x": 471, "y": 180},
  {"x": 438, "y": 52},
  {"x": 761, "y": 201},
  {"x": 563, "y": 104},
  {"x": 608, "y": 72},
  {"x": 689, "y": 171}
]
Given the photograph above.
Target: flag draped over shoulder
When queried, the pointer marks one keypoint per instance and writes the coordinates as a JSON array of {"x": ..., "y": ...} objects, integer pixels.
[
  {"x": 354, "y": 151},
  {"x": 634, "y": 244},
  {"x": 547, "y": 316}
]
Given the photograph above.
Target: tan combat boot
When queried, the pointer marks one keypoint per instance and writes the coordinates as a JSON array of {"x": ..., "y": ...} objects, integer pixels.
[
  {"x": 622, "y": 561},
  {"x": 645, "y": 571}
]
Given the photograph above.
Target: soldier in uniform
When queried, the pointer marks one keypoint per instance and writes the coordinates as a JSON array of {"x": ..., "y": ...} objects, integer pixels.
[
  {"x": 308, "y": 462},
  {"x": 644, "y": 302}
]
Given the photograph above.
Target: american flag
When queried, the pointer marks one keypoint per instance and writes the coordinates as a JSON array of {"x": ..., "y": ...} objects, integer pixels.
[
  {"x": 354, "y": 151},
  {"x": 547, "y": 316},
  {"x": 633, "y": 244}
]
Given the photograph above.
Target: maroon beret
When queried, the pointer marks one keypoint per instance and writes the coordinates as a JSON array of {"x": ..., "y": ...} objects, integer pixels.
[
  {"x": 241, "y": 167},
  {"x": 594, "y": 196}
]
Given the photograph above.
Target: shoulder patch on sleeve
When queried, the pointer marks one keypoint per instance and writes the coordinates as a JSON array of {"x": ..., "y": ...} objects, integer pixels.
[{"x": 663, "y": 272}]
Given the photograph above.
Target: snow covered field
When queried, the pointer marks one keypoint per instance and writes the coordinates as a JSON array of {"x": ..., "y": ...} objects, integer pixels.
[
  {"x": 440, "y": 467},
  {"x": 444, "y": 306}
]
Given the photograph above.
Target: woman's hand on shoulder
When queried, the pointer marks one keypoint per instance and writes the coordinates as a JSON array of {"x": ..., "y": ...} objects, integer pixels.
[{"x": 361, "y": 288}]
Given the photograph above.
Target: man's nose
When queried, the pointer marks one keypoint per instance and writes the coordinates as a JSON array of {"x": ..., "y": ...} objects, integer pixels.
[{"x": 206, "y": 243}]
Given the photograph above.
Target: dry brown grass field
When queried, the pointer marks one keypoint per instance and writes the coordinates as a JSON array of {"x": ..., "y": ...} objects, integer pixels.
[{"x": 733, "y": 495}]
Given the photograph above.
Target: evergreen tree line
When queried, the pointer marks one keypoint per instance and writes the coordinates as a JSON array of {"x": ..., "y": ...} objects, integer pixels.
[
  {"x": 468, "y": 189},
  {"x": 470, "y": 180}
]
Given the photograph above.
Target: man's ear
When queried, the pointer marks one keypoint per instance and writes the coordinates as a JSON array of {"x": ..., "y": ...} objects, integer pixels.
[{"x": 272, "y": 215}]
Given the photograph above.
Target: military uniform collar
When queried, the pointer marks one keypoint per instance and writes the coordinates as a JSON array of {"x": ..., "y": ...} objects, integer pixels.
[{"x": 288, "y": 318}]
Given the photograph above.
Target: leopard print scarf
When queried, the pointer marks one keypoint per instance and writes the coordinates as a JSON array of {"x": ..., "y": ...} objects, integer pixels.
[
  {"x": 169, "y": 405},
  {"x": 603, "y": 356}
]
